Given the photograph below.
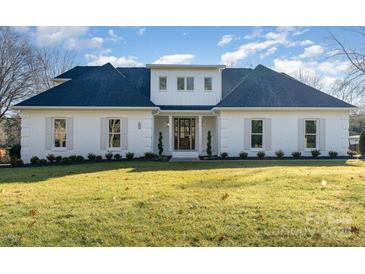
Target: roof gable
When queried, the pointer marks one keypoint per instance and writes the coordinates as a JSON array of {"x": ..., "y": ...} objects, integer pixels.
[
  {"x": 263, "y": 87},
  {"x": 102, "y": 86}
]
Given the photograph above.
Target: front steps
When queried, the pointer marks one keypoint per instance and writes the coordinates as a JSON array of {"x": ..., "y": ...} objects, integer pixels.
[{"x": 184, "y": 156}]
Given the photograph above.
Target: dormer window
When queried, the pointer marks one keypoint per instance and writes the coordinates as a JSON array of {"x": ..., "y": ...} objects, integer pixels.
[
  {"x": 190, "y": 83},
  {"x": 163, "y": 83},
  {"x": 180, "y": 83},
  {"x": 208, "y": 83}
]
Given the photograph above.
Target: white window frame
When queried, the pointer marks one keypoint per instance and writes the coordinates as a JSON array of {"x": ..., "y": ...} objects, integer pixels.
[
  {"x": 211, "y": 80},
  {"x": 120, "y": 134},
  {"x": 305, "y": 133},
  {"x": 177, "y": 84},
  {"x": 263, "y": 135},
  {"x": 54, "y": 133},
  {"x": 159, "y": 83}
]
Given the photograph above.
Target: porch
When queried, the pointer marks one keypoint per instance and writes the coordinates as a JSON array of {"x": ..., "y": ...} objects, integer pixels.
[{"x": 185, "y": 135}]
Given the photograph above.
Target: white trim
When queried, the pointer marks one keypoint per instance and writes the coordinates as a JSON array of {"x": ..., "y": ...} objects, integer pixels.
[
  {"x": 262, "y": 134},
  {"x": 84, "y": 108},
  {"x": 120, "y": 134},
  {"x": 306, "y": 149},
  {"x": 185, "y": 66},
  {"x": 211, "y": 84},
  {"x": 159, "y": 83},
  {"x": 53, "y": 147},
  {"x": 282, "y": 108}
]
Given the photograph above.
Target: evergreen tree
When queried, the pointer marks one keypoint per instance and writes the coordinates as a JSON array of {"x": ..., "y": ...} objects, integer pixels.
[
  {"x": 362, "y": 143},
  {"x": 160, "y": 144},
  {"x": 209, "y": 144}
]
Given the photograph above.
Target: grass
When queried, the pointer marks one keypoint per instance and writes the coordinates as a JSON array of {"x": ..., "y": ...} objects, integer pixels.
[{"x": 224, "y": 203}]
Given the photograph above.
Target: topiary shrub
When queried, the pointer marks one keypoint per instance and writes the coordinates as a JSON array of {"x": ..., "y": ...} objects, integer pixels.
[
  {"x": 279, "y": 153},
  {"x": 65, "y": 161},
  {"x": 209, "y": 144},
  {"x": 72, "y": 158},
  {"x": 42, "y": 162},
  {"x": 261, "y": 155},
  {"x": 160, "y": 144},
  {"x": 51, "y": 158},
  {"x": 91, "y": 156},
  {"x": 58, "y": 159},
  {"x": 150, "y": 156},
  {"x": 224, "y": 155},
  {"x": 296, "y": 154},
  {"x": 99, "y": 158},
  {"x": 14, "y": 151},
  {"x": 129, "y": 155},
  {"x": 315, "y": 153},
  {"x": 362, "y": 143},
  {"x": 109, "y": 156},
  {"x": 16, "y": 162},
  {"x": 332, "y": 154},
  {"x": 117, "y": 157},
  {"x": 243, "y": 155},
  {"x": 79, "y": 158},
  {"x": 34, "y": 160}
]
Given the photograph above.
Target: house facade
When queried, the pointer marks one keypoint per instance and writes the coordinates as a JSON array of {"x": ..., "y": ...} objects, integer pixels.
[{"x": 100, "y": 109}]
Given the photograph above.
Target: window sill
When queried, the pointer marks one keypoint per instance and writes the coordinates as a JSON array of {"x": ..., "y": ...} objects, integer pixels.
[
  {"x": 59, "y": 149},
  {"x": 257, "y": 149}
]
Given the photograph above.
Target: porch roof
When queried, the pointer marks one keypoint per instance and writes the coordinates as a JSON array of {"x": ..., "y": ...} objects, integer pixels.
[{"x": 186, "y": 107}]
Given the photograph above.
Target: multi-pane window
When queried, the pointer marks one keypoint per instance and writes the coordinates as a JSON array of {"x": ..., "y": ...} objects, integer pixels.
[
  {"x": 60, "y": 133},
  {"x": 208, "y": 83},
  {"x": 257, "y": 131},
  {"x": 163, "y": 83},
  {"x": 114, "y": 133},
  {"x": 180, "y": 83},
  {"x": 310, "y": 136},
  {"x": 190, "y": 83}
]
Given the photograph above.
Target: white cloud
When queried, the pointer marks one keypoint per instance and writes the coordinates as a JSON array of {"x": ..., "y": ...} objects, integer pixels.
[
  {"x": 306, "y": 43},
  {"x": 21, "y": 29},
  {"x": 175, "y": 59},
  {"x": 113, "y": 36},
  {"x": 256, "y": 33},
  {"x": 225, "y": 40},
  {"x": 69, "y": 37},
  {"x": 141, "y": 31},
  {"x": 122, "y": 61},
  {"x": 300, "y": 32},
  {"x": 268, "y": 52},
  {"x": 312, "y": 51}
]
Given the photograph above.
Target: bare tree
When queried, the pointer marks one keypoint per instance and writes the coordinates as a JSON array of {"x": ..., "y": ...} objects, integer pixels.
[
  {"x": 16, "y": 68},
  {"x": 310, "y": 79},
  {"x": 349, "y": 91}
]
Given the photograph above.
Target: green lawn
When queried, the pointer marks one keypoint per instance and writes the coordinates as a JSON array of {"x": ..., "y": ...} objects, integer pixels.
[{"x": 227, "y": 203}]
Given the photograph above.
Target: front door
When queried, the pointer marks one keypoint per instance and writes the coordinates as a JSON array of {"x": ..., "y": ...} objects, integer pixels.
[{"x": 184, "y": 133}]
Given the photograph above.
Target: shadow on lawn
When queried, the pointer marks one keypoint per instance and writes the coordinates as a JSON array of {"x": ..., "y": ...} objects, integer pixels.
[{"x": 38, "y": 174}]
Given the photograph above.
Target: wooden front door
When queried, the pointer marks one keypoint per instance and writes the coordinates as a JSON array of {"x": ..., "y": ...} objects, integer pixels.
[{"x": 184, "y": 133}]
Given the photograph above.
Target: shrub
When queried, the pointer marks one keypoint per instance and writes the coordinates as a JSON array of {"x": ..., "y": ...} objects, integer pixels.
[
  {"x": 261, "y": 154},
  {"x": 16, "y": 161},
  {"x": 351, "y": 153},
  {"x": 160, "y": 144},
  {"x": 224, "y": 155},
  {"x": 14, "y": 151},
  {"x": 117, "y": 157},
  {"x": 65, "y": 161},
  {"x": 34, "y": 160},
  {"x": 99, "y": 158},
  {"x": 279, "y": 153},
  {"x": 109, "y": 156},
  {"x": 315, "y": 153},
  {"x": 332, "y": 154},
  {"x": 42, "y": 161},
  {"x": 362, "y": 143},
  {"x": 58, "y": 159},
  {"x": 209, "y": 144},
  {"x": 51, "y": 158},
  {"x": 243, "y": 155},
  {"x": 129, "y": 155},
  {"x": 296, "y": 154},
  {"x": 150, "y": 155},
  {"x": 91, "y": 156},
  {"x": 72, "y": 158},
  {"x": 79, "y": 158}
]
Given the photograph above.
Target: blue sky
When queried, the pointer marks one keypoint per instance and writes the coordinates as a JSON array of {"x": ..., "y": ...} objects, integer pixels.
[{"x": 286, "y": 49}]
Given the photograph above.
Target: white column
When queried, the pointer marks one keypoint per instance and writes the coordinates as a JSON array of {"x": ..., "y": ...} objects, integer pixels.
[
  {"x": 171, "y": 128},
  {"x": 200, "y": 134}
]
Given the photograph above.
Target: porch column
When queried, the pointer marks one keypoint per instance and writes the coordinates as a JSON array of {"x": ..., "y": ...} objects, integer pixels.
[
  {"x": 200, "y": 134},
  {"x": 171, "y": 128}
]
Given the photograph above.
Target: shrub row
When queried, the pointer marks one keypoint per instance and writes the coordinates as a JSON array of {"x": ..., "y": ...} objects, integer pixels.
[{"x": 280, "y": 154}]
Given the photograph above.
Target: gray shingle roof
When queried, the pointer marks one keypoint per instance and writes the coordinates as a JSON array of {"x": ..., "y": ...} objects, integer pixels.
[
  {"x": 263, "y": 87},
  {"x": 105, "y": 86},
  {"x": 102, "y": 86}
]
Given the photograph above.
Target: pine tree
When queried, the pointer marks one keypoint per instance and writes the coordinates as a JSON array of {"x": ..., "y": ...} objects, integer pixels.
[
  {"x": 209, "y": 144},
  {"x": 160, "y": 144}
]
